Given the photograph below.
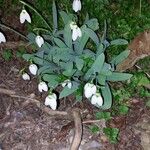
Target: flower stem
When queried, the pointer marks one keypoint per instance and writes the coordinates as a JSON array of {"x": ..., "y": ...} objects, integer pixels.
[
  {"x": 28, "y": 5},
  {"x": 40, "y": 29},
  {"x": 11, "y": 29}
]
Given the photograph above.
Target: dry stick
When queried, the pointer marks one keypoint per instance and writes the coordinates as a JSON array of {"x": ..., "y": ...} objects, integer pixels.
[{"x": 78, "y": 130}]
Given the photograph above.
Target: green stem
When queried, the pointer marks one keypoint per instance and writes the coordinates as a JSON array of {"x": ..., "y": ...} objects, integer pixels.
[
  {"x": 40, "y": 29},
  {"x": 28, "y": 5},
  {"x": 11, "y": 29},
  {"x": 140, "y": 7}
]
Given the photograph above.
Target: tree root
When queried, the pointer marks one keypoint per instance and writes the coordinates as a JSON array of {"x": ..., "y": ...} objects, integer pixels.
[{"x": 74, "y": 115}]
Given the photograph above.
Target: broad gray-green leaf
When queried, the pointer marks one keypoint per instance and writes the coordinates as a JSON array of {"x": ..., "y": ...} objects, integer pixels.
[
  {"x": 54, "y": 9},
  {"x": 96, "y": 67},
  {"x": 27, "y": 57},
  {"x": 93, "y": 24},
  {"x": 92, "y": 35},
  {"x": 118, "y": 59},
  {"x": 66, "y": 91},
  {"x": 101, "y": 79},
  {"x": 59, "y": 43},
  {"x": 31, "y": 36},
  {"x": 107, "y": 97},
  {"x": 66, "y": 17},
  {"x": 68, "y": 35},
  {"x": 100, "y": 49},
  {"x": 79, "y": 63},
  {"x": 119, "y": 42},
  {"x": 116, "y": 76}
]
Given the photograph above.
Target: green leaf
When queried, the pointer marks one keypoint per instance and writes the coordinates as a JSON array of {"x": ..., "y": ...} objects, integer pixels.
[
  {"x": 68, "y": 35},
  {"x": 27, "y": 57},
  {"x": 116, "y": 76},
  {"x": 31, "y": 37},
  {"x": 66, "y": 17},
  {"x": 123, "y": 110},
  {"x": 79, "y": 63},
  {"x": 93, "y": 24},
  {"x": 94, "y": 129},
  {"x": 66, "y": 91},
  {"x": 119, "y": 42},
  {"x": 60, "y": 43},
  {"x": 107, "y": 97},
  {"x": 100, "y": 49},
  {"x": 52, "y": 80},
  {"x": 92, "y": 35},
  {"x": 96, "y": 67},
  {"x": 101, "y": 79},
  {"x": 55, "y": 22},
  {"x": 103, "y": 115},
  {"x": 118, "y": 59}
]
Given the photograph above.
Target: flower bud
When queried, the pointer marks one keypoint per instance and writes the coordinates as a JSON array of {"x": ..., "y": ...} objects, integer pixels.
[
  {"x": 42, "y": 86},
  {"x": 50, "y": 100},
  {"x": 24, "y": 16},
  {"x": 67, "y": 83},
  {"x": 39, "y": 41},
  {"x": 33, "y": 69},
  {"x": 25, "y": 76},
  {"x": 76, "y": 5},
  {"x": 89, "y": 90}
]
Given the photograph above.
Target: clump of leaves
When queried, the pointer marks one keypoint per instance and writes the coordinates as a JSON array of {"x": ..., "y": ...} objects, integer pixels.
[
  {"x": 7, "y": 55},
  {"x": 112, "y": 134},
  {"x": 94, "y": 129}
]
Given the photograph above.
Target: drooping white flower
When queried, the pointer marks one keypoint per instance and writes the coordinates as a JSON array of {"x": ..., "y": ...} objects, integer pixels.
[
  {"x": 24, "y": 16},
  {"x": 76, "y": 31},
  {"x": 97, "y": 99},
  {"x": 89, "y": 90},
  {"x": 42, "y": 86},
  {"x": 76, "y": 5},
  {"x": 25, "y": 76},
  {"x": 33, "y": 69},
  {"x": 39, "y": 40},
  {"x": 67, "y": 83},
  {"x": 50, "y": 100},
  {"x": 2, "y": 37}
]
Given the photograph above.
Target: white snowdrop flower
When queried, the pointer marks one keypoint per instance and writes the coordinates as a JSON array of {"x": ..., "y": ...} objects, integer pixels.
[
  {"x": 97, "y": 99},
  {"x": 89, "y": 90},
  {"x": 50, "y": 100},
  {"x": 2, "y": 37},
  {"x": 24, "y": 16},
  {"x": 76, "y": 31},
  {"x": 42, "y": 86},
  {"x": 33, "y": 69},
  {"x": 76, "y": 5},
  {"x": 25, "y": 76},
  {"x": 67, "y": 83},
  {"x": 39, "y": 40}
]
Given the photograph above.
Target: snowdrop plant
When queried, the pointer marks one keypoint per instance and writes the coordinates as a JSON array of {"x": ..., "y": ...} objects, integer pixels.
[{"x": 77, "y": 54}]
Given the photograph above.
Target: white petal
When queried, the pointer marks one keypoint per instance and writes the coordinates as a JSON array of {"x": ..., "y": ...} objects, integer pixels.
[
  {"x": 63, "y": 84},
  {"x": 76, "y": 5},
  {"x": 93, "y": 89},
  {"x": 24, "y": 16},
  {"x": 87, "y": 85},
  {"x": 100, "y": 101},
  {"x": 79, "y": 32},
  {"x": 69, "y": 85},
  {"x": 2, "y": 37},
  {"x": 74, "y": 34},
  {"x": 50, "y": 100},
  {"x": 25, "y": 76},
  {"x": 39, "y": 40},
  {"x": 42, "y": 86},
  {"x": 94, "y": 100},
  {"x": 33, "y": 69},
  {"x": 88, "y": 93}
]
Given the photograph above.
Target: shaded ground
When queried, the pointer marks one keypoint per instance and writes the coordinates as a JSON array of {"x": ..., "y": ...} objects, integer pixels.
[{"x": 27, "y": 127}]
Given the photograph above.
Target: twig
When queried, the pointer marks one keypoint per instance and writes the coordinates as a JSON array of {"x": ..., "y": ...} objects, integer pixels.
[
  {"x": 78, "y": 130},
  {"x": 90, "y": 121}
]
